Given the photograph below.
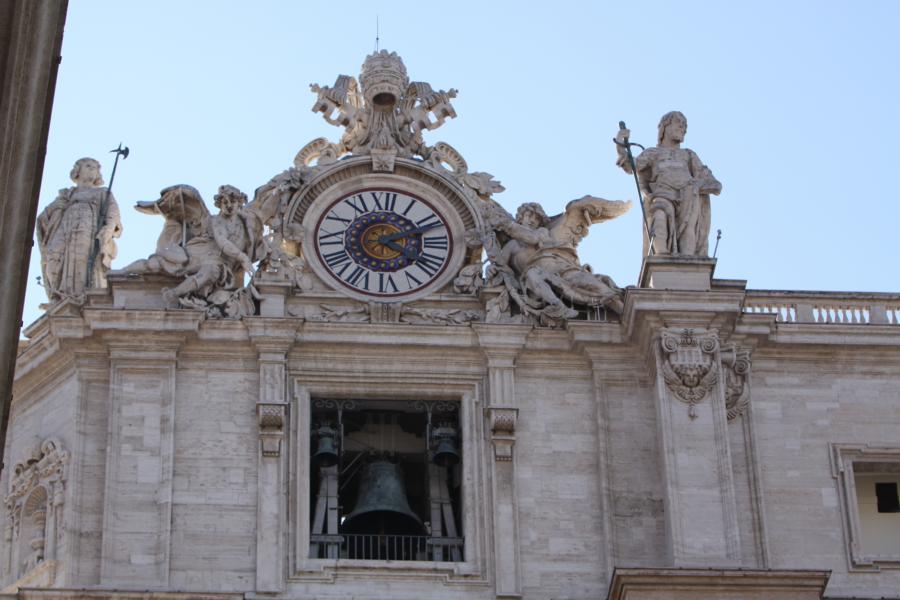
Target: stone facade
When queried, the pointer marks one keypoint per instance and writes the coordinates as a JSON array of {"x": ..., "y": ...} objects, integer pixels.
[
  {"x": 176, "y": 435},
  {"x": 579, "y": 456}
]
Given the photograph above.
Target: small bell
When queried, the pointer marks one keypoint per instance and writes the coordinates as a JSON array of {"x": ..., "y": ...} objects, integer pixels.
[
  {"x": 445, "y": 452},
  {"x": 326, "y": 454}
]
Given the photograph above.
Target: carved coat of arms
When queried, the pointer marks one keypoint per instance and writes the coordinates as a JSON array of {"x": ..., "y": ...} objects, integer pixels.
[{"x": 689, "y": 365}]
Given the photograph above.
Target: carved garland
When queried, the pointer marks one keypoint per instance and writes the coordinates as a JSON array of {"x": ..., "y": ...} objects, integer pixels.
[{"x": 688, "y": 365}]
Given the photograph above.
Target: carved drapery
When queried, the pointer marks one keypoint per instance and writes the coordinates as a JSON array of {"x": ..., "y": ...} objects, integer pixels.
[
  {"x": 34, "y": 507},
  {"x": 689, "y": 364}
]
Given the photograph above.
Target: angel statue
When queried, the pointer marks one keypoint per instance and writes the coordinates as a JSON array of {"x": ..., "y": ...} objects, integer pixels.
[
  {"x": 535, "y": 258},
  {"x": 211, "y": 253}
]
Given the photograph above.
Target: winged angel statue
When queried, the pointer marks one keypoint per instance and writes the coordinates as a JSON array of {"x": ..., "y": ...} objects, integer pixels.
[
  {"x": 210, "y": 253},
  {"x": 534, "y": 258}
]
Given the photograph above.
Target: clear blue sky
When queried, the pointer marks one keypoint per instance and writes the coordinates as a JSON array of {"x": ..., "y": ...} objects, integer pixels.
[{"x": 793, "y": 105}]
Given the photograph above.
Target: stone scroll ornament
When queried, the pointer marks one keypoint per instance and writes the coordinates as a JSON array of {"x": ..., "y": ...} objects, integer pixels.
[
  {"x": 209, "y": 253},
  {"x": 533, "y": 259},
  {"x": 689, "y": 365},
  {"x": 736, "y": 367}
]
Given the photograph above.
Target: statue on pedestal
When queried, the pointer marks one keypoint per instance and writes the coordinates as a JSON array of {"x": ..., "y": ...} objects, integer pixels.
[
  {"x": 66, "y": 233},
  {"x": 534, "y": 257},
  {"x": 676, "y": 186},
  {"x": 210, "y": 252}
]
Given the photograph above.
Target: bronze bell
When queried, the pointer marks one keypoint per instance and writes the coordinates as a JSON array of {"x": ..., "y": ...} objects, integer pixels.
[
  {"x": 445, "y": 452},
  {"x": 381, "y": 504},
  {"x": 326, "y": 453}
]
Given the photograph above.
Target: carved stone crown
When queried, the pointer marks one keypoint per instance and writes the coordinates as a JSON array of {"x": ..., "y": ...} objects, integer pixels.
[{"x": 383, "y": 78}]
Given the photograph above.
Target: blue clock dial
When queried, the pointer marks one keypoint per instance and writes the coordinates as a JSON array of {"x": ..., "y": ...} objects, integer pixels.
[{"x": 382, "y": 242}]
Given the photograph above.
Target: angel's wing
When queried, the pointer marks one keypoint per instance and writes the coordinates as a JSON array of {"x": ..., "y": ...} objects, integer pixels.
[
  {"x": 184, "y": 211},
  {"x": 572, "y": 226}
]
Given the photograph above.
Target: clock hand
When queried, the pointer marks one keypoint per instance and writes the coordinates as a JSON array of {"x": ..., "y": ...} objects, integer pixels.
[
  {"x": 407, "y": 251},
  {"x": 383, "y": 239}
]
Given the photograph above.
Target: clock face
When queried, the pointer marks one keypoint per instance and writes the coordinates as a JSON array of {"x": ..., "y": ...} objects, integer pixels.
[{"x": 383, "y": 242}]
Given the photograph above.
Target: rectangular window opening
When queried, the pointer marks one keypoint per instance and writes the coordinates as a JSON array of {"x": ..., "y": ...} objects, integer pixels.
[
  {"x": 386, "y": 480},
  {"x": 887, "y": 497}
]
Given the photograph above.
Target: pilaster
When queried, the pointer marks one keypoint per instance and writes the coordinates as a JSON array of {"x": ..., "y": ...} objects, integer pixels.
[
  {"x": 137, "y": 511},
  {"x": 700, "y": 502},
  {"x": 683, "y": 327},
  {"x": 272, "y": 339},
  {"x": 501, "y": 345},
  {"x": 591, "y": 343}
]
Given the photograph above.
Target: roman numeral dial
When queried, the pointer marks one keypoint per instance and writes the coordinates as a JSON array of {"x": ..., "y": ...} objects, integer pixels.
[{"x": 383, "y": 243}]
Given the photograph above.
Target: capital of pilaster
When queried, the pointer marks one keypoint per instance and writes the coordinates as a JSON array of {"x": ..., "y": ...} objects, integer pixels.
[
  {"x": 272, "y": 337},
  {"x": 501, "y": 343},
  {"x": 160, "y": 346}
]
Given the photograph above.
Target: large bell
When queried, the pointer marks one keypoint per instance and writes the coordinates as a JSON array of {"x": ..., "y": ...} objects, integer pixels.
[
  {"x": 445, "y": 453},
  {"x": 326, "y": 452},
  {"x": 381, "y": 505}
]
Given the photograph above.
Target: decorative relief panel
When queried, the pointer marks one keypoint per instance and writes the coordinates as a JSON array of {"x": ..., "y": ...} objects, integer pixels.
[
  {"x": 503, "y": 431},
  {"x": 271, "y": 427},
  {"x": 34, "y": 507},
  {"x": 689, "y": 364}
]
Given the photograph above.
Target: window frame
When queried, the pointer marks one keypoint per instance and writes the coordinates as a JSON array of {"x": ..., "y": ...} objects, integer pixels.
[
  {"x": 844, "y": 459},
  {"x": 475, "y": 523}
]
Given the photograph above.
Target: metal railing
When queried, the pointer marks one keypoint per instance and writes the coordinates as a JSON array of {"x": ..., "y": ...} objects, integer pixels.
[
  {"x": 359, "y": 546},
  {"x": 825, "y": 307}
]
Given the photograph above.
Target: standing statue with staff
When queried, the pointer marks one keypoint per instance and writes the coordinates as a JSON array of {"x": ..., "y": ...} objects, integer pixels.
[
  {"x": 76, "y": 234},
  {"x": 675, "y": 186}
]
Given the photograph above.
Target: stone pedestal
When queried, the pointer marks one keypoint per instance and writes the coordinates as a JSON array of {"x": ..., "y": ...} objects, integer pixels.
[
  {"x": 689, "y": 584},
  {"x": 677, "y": 273}
]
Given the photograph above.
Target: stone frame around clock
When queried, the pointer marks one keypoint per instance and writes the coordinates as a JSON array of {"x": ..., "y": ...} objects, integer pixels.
[
  {"x": 307, "y": 206},
  {"x": 475, "y": 526}
]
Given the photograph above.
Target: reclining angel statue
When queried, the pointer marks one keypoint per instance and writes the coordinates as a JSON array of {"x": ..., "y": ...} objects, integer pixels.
[
  {"x": 535, "y": 258},
  {"x": 211, "y": 253}
]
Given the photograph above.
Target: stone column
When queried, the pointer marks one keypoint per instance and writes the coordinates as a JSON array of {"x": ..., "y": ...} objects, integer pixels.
[
  {"x": 501, "y": 345},
  {"x": 273, "y": 339},
  {"x": 701, "y": 514},
  {"x": 137, "y": 511},
  {"x": 30, "y": 41}
]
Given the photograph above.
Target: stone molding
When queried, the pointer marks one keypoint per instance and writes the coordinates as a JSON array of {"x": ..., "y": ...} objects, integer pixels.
[
  {"x": 116, "y": 594},
  {"x": 714, "y": 584}
]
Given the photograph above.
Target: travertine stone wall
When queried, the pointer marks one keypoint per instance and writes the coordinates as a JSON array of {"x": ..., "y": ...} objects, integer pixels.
[
  {"x": 564, "y": 475},
  {"x": 804, "y": 400}
]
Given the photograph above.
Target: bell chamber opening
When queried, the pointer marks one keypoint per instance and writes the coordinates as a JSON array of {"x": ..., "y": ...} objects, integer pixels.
[{"x": 385, "y": 480}]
